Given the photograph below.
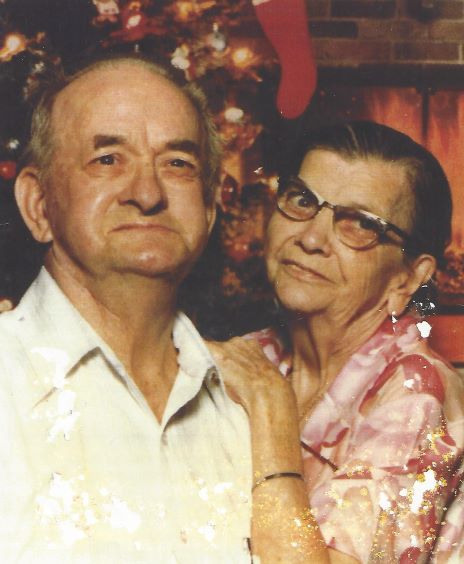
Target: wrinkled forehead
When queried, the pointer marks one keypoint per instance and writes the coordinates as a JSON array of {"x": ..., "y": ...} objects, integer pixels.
[
  {"x": 116, "y": 87},
  {"x": 373, "y": 183}
]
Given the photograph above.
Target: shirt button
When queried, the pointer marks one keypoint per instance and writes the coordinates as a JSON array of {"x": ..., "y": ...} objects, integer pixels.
[{"x": 214, "y": 376}]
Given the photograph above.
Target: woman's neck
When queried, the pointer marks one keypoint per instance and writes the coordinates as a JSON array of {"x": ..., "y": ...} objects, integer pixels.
[{"x": 321, "y": 348}]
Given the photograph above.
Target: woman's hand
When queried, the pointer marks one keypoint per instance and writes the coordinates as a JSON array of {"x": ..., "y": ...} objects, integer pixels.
[
  {"x": 283, "y": 529},
  {"x": 250, "y": 378},
  {"x": 256, "y": 384}
]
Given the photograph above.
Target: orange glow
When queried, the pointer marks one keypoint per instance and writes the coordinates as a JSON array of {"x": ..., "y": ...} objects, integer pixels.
[
  {"x": 14, "y": 43},
  {"x": 401, "y": 108},
  {"x": 446, "y": 141},
  {"x": 184, "y": 10},
  {"x": 243, "y": 57}
]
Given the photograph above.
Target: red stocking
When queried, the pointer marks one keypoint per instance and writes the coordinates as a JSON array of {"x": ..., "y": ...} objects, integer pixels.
[{"x": 285, "y": 23}]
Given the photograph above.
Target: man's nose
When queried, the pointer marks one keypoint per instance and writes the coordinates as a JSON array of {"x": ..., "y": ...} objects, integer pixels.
[
  {"x": 145, "y": 189},
  {"x": 316, "y": 234}
]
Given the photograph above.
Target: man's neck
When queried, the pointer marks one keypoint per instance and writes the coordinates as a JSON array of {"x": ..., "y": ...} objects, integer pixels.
[{"x": 134, "y": 315}]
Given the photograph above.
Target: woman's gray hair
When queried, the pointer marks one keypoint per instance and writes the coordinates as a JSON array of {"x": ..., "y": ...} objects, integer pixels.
[{"x": 432, "y": 208}]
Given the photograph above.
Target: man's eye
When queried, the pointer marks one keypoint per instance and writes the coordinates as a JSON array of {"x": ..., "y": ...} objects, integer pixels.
[
  {"x": 181, "y": 163},
  {"x": 106, "y": 160}
]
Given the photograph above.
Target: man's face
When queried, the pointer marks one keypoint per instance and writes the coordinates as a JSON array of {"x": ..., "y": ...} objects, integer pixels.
[{"x": 124, "y": 192}]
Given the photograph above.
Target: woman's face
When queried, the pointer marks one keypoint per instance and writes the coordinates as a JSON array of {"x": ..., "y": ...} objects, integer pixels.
[{"x": 311, "y": 270}]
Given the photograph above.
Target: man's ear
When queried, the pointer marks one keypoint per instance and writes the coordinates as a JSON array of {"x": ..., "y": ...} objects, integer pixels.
[
  {"x": 30, "y": 198},
  {"x": 418, "y": 273}
]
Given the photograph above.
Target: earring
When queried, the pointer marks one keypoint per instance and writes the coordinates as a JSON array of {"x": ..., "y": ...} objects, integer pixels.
[{"x": 425, "y": 298}]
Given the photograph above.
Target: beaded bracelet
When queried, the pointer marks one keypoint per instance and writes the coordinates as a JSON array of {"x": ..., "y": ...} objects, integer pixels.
[{"x": 277, "y": 475}]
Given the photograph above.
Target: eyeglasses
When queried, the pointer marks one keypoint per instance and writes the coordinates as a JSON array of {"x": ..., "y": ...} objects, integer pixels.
[{"x": 357, "y": 229}]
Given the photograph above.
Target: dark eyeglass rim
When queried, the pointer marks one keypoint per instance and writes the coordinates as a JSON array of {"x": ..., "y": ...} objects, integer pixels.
[{"x": 383, "y": 225}]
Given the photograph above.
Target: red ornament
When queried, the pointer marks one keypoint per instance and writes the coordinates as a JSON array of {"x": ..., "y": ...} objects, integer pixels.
[
  {"x": 230, "y": 192},
  {"x": 108, "y": 10},
  {"x": 7, "y": 169},
  {"x": 136, "y": 24},
  {"x": 239, "y": 249}
]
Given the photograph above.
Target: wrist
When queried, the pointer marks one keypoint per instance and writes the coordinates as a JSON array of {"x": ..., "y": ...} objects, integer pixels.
[{"x": 276, "y": 475}]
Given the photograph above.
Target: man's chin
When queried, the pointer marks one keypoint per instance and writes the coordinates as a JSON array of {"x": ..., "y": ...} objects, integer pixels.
[{"x": 154, "y": 268}]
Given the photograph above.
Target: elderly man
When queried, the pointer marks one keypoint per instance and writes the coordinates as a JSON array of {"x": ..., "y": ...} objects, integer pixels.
[{"x": 120, "y": 443}]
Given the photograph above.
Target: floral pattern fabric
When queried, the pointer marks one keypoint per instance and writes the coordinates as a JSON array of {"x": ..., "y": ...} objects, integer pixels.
[{"x": 381, "y": 447}]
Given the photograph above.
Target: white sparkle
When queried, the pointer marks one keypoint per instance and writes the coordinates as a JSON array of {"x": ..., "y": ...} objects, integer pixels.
[
  {"x": 221, "y": 487},
  {"x": 424, "y": 328},
  {"x": 207, "y": 531},
  {"x": 384, "y": 502},
  {"x": 203, "y": 493},
  {"x": 413, "y": 540},
  {"x": 420, "y": 487},
  {"x": 121, "y": 516}
]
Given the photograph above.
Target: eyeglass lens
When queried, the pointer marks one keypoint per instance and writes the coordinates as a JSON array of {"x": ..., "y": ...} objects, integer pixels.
[{"x": 351, "y": 226}]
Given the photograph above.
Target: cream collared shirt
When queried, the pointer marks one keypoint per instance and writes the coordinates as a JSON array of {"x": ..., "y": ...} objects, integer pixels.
[{"x": 87, "y": 473}]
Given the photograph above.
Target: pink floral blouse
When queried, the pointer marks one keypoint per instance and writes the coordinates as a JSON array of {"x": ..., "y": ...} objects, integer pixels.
[{"x": 381, "y": 447}]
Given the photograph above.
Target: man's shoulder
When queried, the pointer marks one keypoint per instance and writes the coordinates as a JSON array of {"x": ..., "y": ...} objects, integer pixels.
[
  {"x": 14, "y": 321},
  {"x": 32, "y": 322}
]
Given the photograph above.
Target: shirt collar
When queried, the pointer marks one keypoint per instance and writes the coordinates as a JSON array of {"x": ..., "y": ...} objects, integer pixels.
[
  {"x": 52, "y": 330},
  {"x": 57, "y": 338}
]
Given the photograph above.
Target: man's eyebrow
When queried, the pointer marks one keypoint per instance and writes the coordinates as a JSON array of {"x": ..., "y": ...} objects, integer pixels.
[
  {"x": 184, "y": 145},
  {"x": 100, "y": 141}
]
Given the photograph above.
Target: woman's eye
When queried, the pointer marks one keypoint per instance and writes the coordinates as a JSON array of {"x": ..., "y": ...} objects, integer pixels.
[
  {"x": 300, "y": 199},
  {"x": 367, "y": 223}
]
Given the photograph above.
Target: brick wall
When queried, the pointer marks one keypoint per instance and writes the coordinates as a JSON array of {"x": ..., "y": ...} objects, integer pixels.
[{"x": 353, "y": 32}]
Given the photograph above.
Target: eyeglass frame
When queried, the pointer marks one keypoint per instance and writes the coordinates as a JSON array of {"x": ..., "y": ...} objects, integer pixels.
[{"x": 382, "y": 225}]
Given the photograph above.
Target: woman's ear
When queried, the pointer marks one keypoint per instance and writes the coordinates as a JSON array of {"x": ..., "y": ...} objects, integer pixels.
[
  {"x": 419, "y": 272},
  {"x": 30, "y": 198}
]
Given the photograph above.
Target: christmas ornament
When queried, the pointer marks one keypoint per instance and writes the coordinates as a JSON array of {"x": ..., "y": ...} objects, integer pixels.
[
  {"x": 238, "y": 249},
  {"x": 7, "y": 169},
  {"x": 285, "y": 23},
  {"x": 13, "y": 44},
  {"x": 183, "y": 59},
  {"x": 216, "y": 39},
  {"x": 186, "y": 11},
  {"x": 136, "y": 24},
  {"x": 13, "y": 144},
  {"x": 108, "y": 11},
  {"x": 230, "y": 192},
  {"x": 236, "y": 129}
]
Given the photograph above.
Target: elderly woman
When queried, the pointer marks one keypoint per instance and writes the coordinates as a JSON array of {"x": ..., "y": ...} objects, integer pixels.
[{"x": 362, "y": 220}]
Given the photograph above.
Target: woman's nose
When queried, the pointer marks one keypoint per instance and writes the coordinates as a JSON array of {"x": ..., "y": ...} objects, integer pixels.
[{"x": 315, "y": 235}]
